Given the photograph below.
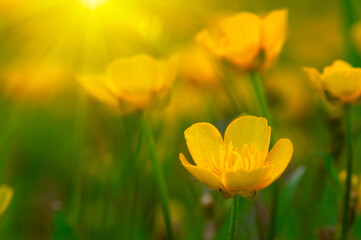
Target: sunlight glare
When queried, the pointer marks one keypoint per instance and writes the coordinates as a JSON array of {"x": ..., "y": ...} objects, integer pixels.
[{"x": 92, "y": 4}]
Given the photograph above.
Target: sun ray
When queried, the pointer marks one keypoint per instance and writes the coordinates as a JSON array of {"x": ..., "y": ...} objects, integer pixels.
[{"x": 92, "y": 4}]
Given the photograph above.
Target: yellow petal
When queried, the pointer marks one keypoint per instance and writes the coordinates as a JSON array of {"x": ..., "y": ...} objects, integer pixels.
[
  {"x": 204, "y": 175},
  {"x": 241, "y": 37},
  {"x": 315, "y": 78},
  {"x": 236, "y": 38},
  {"x": 278, "y": 157},
  {"x": 204, "y": 143},
  {"x": 248, "y": 130},
  {"x": 138, "y": 100},
  {"x": 241, "y": 180},
  {"x": 274, "y": 32},
  {"x": 135, "y": 79},
  {"x": 139, "y": 72},
  {"x": 95, "y": 86},
  {"x": 198, "y": 66},
  {"x": 205, "y": 38},
  {"x": 337, "y": 66},
  {"x": 343, "y": 84},
  {"x": 141, "y": 79},
  {"x": 168, "y": 71},
  {"x": 6, "y": 194}
]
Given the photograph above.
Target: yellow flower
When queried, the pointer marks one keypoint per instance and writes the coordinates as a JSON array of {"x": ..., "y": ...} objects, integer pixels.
[
  {"x": 132, "y": 84},
  {"x": 247, "y": 40},
  {"x": 35, "y": 81},
  {"x": 356, "y": 35},
  {"x": 355, "y": 191},
  {"x": 339, "y": 83},
  {"x": 199, "y": 67},
  {"x": 239, "y": 164},
  {"x": 6, "y": 193},
  {"x": 354, "y": 179}
]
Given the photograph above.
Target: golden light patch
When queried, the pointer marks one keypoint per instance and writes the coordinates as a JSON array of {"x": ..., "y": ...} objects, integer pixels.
[{"x": 92, "y": 4}]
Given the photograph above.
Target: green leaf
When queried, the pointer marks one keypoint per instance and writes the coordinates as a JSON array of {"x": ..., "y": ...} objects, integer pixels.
[{"x": 292, "y": 183}]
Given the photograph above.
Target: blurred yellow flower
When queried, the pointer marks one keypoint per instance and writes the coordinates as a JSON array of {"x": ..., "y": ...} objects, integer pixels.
[
  {"x": 199, "y": 67},
  {"x": 354, "y": 179},
  {"x": 35, "y": 81},
  {"x": 247, "y": 40},
  {"x": 132, "y": 84},
  {"x": 339, "y": 83},
  {"x": 355, "y": 192},
  {"x": 239, "y": 164},
  {"x": 356, "y": 35},
  {"x": 6, "y": 193}
]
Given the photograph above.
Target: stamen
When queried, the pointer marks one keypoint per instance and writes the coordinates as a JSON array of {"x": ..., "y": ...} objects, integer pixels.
[
  {"x": 213, "y": 165},
  {"x": 251, "y": 160}
]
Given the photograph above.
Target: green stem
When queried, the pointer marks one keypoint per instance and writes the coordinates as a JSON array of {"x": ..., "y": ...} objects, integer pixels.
[
  {"x": 229, "y": 91},
  {"x": 350, "y": 18},
  {"x": 134, "y": 205},
  {"x": 137, "y": 172},
  {"x": 258, "y": 88},
  {"x": 234, "y": 217},
  {"x": 159, "y": 176},
  {"x": 78, "y": 141},
  {"x": 274, "y": 210},
  {"x": 349, "y": 152},
  {"x": 230, "y": 88}
]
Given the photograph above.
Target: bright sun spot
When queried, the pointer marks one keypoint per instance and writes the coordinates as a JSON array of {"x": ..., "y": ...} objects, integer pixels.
[{"x": 92, "y": 4}]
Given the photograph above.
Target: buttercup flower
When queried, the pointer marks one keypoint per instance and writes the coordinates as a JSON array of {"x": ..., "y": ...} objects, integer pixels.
[
  {"x": 247, "y": 40},
  {"x": 199, "y": 67},
  {"x": 240, "y": 163},
  {"x": 132, "y": 84},
  {"x": 36, "y": 82},
  {"x": 339, "y": 83}
]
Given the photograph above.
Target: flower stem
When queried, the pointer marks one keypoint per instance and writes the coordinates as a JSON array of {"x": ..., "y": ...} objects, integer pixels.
[
  {"x": 274, "y": 210},
  {"x": 349, "y": 152},
  {"x": 137, "y": 173},
  {"x": 159, "y": 176},
  {"x": 229, "y": 89},
  {"x": 234, "y": 216},
  {"x": 350, "y": 18},
  {"x": 258, "y": 88},
  {"x": 78, "y": 141}
]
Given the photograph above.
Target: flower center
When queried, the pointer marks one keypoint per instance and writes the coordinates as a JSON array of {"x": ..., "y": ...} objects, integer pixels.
[{"x": 247, "y": 159}]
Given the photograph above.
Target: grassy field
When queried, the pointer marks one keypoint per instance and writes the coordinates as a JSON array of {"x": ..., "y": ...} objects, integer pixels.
[{"x": 99, "y": 99}]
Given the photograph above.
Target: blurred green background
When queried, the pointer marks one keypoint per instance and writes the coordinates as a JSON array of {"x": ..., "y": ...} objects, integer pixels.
[{"x": 80, "y": 171}]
